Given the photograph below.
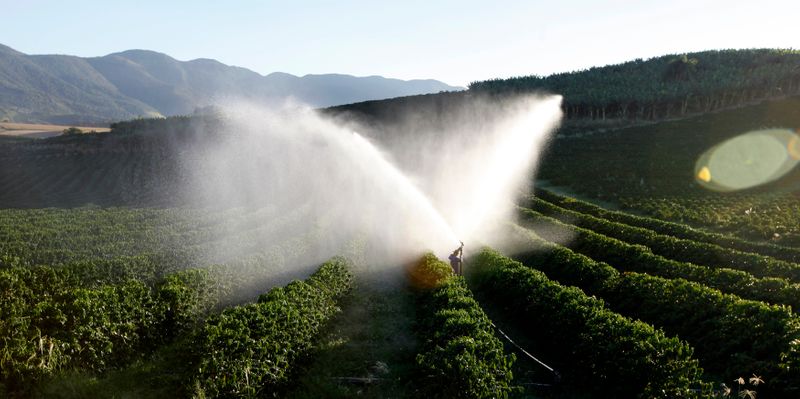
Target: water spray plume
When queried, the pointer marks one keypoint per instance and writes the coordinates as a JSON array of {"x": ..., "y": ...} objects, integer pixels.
[
  {"x": 415, "y": 186},
  {"x": 405, "y": 189},
  {"x": 748, "y": 160},
  {"x": 502, "y": 166}
]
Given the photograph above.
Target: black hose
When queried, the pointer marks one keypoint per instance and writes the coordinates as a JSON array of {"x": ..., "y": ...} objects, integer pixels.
[{"x": 552, "y": 370}]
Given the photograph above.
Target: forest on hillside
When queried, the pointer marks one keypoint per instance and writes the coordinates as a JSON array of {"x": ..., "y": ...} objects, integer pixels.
[{"x": 665, "y": 87}]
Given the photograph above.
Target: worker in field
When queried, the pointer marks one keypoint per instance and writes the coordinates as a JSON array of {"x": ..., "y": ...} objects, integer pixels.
[{"x": 455, "y": 259}]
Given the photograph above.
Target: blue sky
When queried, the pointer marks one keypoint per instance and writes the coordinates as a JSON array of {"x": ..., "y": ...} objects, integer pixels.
[{"x": 453, "y": 41}]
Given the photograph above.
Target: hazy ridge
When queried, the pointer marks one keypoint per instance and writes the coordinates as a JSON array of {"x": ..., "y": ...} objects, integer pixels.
[{"x": 73, "y": 90}]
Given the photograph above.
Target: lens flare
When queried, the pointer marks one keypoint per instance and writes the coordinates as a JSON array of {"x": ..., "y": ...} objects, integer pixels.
[
  {"x": 794, "y": 147},
  {"x": 748, "y": 160},
  {"x": 704, "y": 174}
]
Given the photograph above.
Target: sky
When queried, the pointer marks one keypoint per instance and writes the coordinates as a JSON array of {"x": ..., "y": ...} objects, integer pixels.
[{"x": 457, "y": 42}]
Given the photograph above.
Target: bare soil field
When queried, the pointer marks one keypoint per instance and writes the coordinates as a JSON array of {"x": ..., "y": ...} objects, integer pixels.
[{"x": 41, "y": 131}]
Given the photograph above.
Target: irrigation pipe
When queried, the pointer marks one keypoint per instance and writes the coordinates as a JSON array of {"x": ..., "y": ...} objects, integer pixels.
[{"x": 552, "y": 370}]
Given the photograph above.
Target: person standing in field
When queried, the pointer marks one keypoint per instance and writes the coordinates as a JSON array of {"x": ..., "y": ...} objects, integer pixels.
[{"x": 455, "y": 259}]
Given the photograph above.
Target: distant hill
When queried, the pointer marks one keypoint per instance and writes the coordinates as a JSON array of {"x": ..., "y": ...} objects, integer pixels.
[{"x": 73, "y": 90}]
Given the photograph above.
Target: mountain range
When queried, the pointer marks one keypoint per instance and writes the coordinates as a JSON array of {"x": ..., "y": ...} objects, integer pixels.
[{"x": 67, "y": 89}]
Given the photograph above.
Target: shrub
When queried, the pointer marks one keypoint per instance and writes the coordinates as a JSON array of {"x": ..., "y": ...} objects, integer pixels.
[
  {"x": 249, "y": 350},
  {"x": 460, "y": 356},
  {"x": 428, "y": 272}
]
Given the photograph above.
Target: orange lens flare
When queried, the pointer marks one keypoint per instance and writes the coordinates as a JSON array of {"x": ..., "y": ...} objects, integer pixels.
[
  {"x": 794, "y": 147},
  {"x": 704, "y": 174}
]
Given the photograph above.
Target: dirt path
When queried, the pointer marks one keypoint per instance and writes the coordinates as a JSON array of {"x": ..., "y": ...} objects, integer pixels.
[{"x": 369, "y": 350}]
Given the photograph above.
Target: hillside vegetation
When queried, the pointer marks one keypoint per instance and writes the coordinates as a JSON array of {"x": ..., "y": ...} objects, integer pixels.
[{"x": 665, "y": 87}]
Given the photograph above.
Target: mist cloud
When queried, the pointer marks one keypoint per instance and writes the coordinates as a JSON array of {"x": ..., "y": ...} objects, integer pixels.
[{"x": 413, "y": 186}]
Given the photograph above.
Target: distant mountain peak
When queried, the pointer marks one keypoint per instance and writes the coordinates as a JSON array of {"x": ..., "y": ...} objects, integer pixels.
[
  {"x": 281, "y": 75},
  {"x": 140, "y": 53}
]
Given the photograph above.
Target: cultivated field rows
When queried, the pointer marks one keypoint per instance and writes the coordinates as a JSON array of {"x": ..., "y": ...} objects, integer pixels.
[{"x": 97, "y": 291}]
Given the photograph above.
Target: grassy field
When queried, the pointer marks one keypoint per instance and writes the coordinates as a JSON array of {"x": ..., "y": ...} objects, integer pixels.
[{"x": 42, "y": 131}]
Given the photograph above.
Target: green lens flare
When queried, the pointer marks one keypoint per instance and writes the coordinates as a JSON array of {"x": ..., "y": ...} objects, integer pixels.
[{"x": 748, "y": 160}]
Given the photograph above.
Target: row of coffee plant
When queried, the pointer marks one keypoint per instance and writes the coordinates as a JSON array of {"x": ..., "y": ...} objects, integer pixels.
[
  {"x": 732, "y": 336},
  {"x": 677, "y": 230},
  {"x": 595, "y": 348},
  {"x": 701, "y": 253},
  {"x": 638, "y": 258},
  {"x": 459, "y": 356}
]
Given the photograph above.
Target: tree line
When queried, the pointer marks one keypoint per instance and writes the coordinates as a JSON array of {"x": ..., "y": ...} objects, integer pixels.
[{"x": 667, "y": 86}]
